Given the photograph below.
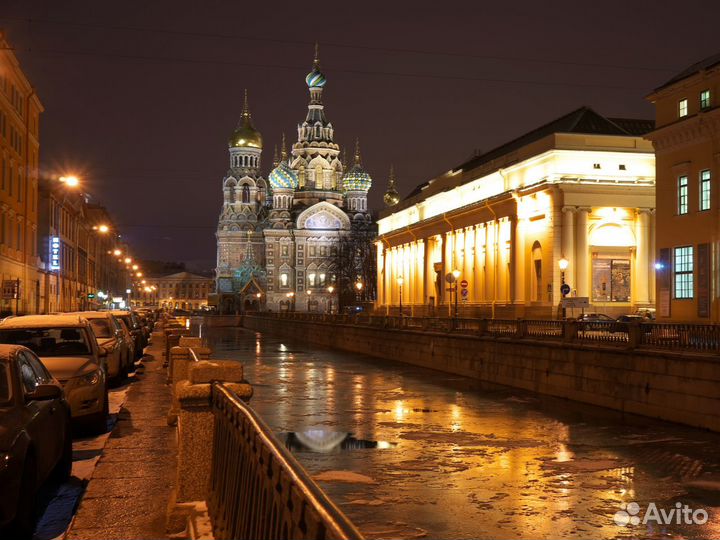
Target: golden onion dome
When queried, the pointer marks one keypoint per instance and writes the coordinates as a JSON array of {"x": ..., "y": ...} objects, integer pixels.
[{"x": 245, "y": 134}]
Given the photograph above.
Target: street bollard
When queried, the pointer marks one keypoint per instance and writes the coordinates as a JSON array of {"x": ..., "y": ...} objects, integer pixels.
[
  {"x": 196, "y": 424},
  {"x": 179, "y": 366}
]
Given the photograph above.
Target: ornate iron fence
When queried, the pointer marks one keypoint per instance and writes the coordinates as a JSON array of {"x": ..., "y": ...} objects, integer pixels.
[{"x": 258, "y": 489}]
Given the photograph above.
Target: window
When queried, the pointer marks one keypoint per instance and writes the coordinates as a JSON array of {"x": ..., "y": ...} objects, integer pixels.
[
  {"x": 683, "y": 272},
  {"x": 283, "y": 280},
  {"x": 682, "y": 108},
  {"x": 705, "y": 99},
  {"x": 246, "y": 194},
  {"x": 682, "y": 195},
  {"x": 611, "y": 280},
  {"x": 311, "y": 280},
  {"x": 704, "y": 190},
  {"x": 285, "y": 251}
]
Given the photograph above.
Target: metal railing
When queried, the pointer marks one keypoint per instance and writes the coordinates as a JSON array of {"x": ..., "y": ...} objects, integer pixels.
[
  {"x": 703, "y": 338},
  {"x": 258, "y": 489}
]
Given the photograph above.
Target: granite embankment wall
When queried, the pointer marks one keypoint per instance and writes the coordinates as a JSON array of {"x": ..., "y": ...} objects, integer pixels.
[{"x": 674, "y": 386}]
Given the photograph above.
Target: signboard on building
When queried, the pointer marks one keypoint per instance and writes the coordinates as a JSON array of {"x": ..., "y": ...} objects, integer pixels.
[
  {"x": 10, "y": 289},
  {"x": 576, "y": 302},
  {"x": 54, "y": 253}
]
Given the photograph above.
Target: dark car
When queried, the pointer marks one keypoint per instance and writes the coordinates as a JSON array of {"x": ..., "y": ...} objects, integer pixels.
[
  {"x": 133, "y": 325},
  {"x": 623, "y": 321},
  {"x": 35, "y": 436},
  {"x": 595, "y": 321}
]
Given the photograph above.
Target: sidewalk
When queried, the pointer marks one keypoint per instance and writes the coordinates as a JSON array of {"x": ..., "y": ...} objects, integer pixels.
[{"x": 127, "y": 497}]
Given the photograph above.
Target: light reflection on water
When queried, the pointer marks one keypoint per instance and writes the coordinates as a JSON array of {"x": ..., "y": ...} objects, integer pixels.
[{"x": 469, "y": 460}]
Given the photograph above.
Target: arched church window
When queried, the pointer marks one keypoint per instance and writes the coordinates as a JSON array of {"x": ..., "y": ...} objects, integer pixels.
[{"x": 246, "y": 194}]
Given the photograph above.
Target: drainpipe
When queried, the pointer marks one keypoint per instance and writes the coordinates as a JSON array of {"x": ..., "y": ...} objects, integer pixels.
[{"x": 27, "y": 186}]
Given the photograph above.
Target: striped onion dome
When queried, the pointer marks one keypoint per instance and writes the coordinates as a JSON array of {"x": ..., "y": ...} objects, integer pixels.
[
  {"x": 315, "y": 79},
  {"x": 356, "y": 179},
  {"x": 283, "y": 177}
]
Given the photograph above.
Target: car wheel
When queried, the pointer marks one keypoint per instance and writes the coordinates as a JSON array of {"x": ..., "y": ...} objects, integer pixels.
[
  {"x": 23, "y": 525},
  {"x": 64, "y": 467}
]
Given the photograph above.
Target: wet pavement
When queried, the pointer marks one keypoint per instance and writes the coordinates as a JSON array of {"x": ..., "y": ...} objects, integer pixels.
[{"x": 408, "y": 452}]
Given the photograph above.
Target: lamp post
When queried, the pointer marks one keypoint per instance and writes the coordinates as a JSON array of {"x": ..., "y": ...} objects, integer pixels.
[
  {"x": 291, "y": 296},
  {"x": 400, "y": 282},
  {"x": 563, "y": 264},
  {"x": 358, "y": 288},
  {"x": 456, "y": 275},
  {"x": 330, "y": 289},
  {"x": 309, "y": 292}
]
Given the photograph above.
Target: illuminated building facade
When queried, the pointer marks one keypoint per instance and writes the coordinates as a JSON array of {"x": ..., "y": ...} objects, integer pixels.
[
  {"x": 579, "y": 189},
  {"x": 20, "y": 111},
  {"x": 278, "y": 239},
  {"x": 687, "y": 146},
  {"x": 182, "y": 290}
]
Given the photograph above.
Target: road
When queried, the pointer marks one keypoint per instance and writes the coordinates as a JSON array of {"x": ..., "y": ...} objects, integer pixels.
[{"x": 408, "y": 452}]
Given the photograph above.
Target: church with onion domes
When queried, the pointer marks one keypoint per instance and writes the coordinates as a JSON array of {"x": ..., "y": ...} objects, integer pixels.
[{"x": 278, "y": 236}]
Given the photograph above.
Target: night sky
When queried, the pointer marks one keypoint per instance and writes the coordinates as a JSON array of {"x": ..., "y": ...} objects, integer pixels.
[{"x": 141, "y": 97}]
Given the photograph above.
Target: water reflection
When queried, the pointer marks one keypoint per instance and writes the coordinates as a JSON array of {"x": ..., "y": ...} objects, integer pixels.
[
  {"x": 472, "y": 460},
  {"x": 323, "y": 441}
]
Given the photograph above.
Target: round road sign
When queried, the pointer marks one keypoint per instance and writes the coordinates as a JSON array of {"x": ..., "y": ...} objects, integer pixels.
[
  {"x": 464, "y": 283},
  {"x": 565, "y": 289}
]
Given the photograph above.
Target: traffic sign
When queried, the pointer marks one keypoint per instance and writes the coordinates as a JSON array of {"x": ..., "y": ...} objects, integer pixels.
[
  {"x": 565, "y": 289},
  {"x": 464, "y": 293},
  {"x": 464, "y": 283},
  {"x": 10, "y": 289}
]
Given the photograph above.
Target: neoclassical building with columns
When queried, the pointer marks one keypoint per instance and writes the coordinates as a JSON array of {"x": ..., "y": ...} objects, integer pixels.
[{"x": 579, "y": 189}]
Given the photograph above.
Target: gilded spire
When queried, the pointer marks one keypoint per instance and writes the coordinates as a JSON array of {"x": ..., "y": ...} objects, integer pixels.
[
  {"x": 246, "y": 107},
  {"x": 283, "y": 149},
  {"x": 391, "y": 197},
  {"x": 343, "y": 158},
  {"x": 316, "y": 60},
  {"x": 357, "y": 151},
  {"x": 276, "y": 159}
]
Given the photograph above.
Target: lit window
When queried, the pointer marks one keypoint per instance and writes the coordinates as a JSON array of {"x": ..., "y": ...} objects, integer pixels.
[
  {"x": 311, "y": 280},
  {"x": 683, "y": 272},
  {"x": 682, "y": 195},
  {"x": 705, "y": 99},
  {"x": 682, "y": 108},
  {"x": 322, "y": 280},
  {"x": 283, "y": 280},
  {"x": 704, "y": 190}
]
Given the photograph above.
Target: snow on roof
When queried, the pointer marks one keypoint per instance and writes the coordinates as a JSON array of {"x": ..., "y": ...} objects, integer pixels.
[
  {"x": 90, "y": 314},
  {"x": 43, "y": 321}
]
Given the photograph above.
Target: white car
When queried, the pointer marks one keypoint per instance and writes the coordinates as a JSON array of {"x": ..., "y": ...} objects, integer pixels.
[
  {"x": 111, "y": 337},
  {"x": 68, "y": 349}
]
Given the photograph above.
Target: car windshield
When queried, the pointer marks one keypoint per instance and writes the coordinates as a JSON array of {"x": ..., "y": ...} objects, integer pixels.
[
  {"x": 4, "y": 384},
  {"x": 101, "y": 328},
  {"x": 67, "y": 341}
]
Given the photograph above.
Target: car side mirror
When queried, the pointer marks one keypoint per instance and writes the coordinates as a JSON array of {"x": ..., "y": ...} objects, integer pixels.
[{"x": 45, "y": 391}]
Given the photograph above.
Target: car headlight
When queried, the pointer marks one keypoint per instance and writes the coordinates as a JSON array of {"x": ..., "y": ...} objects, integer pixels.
[
  {"x": 90, "y": 379},
  {"x": 4, "y": 461}
]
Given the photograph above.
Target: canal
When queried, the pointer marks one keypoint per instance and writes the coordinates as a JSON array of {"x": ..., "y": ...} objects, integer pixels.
[{"x": 408, "y": 452}]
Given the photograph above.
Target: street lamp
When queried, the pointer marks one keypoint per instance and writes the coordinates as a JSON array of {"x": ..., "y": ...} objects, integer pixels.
[
  {"x": 291, "y": 296},
  {"x": 308, "y": 292},
  {"x": 400, "y": 282},
  {"x": 70, "y": 181},
  {"x": 330, "y": 289},
  {"x": 563, "y": 264},
  {"x": 117, "y": 252},
  {"x": 456, "y": 275},
  {"x": 359, "y": 287}
]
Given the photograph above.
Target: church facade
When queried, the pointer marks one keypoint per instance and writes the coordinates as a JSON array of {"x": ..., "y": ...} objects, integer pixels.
[{"x": 278, "y": 238}]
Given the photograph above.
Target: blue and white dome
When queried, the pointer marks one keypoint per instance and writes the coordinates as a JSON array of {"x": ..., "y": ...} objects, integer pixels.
[
  {"x": 356, "y": 179},
  {"x": 283, "y": 177},
  {"x": 315, "y": 79}
]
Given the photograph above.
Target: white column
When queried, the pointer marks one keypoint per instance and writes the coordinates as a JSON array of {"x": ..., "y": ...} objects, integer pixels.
[
  {"x": 568, "y": 245},
  {"x": 642, "y": 259},
  {"x": 478, "y": 284},
  {"x": 582, "y": 270},
  {"x": 518, "y": 263}
]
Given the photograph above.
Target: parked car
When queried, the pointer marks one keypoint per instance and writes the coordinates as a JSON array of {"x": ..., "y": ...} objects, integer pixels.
[
  {"x": 133, "y": 325},
  {"x": 595, "y": 321},
  {"x": 110, "y": 336},
  {"x": 35, "y": 436},
  {"x": 624, "y": 320},
  {"x": 67, "y": 348}
]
